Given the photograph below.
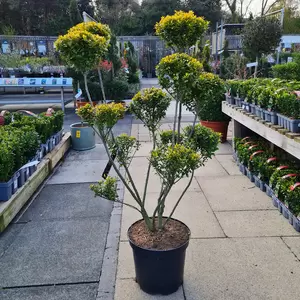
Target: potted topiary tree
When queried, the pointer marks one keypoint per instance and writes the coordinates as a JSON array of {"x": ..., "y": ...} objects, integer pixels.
[
  {"x": 208, "y": 91},
  {"x": 158, "y": 240},
  {"x": 81, "y": 49}
]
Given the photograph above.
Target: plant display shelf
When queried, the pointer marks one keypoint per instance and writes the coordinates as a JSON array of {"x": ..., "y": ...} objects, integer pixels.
[{"x": 289, "y": 142}]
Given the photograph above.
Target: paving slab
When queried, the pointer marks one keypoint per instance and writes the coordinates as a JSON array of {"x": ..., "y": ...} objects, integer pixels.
[
  {"x": 193, "y": 210},
  {"x": 66, "y": 292},
  {"x": 255, "y": 224},
  {"x": 58, "y": 252},
  {"x": 129, "y": 289},
  {"x": 80, "y": 171},
  {"x": 125, "y": 262},
  {"x": 224, "y": 149},
  {"x": 228, "y": 163},
  {"x": 144, "y": 150},
  {"x": 294, "y": 244},
  {"x": 67, "y": 201},
  {"x": 240, "y": 269},
  {"x": 8, "y": 236},
  {"x": 98, "y": 153},
  {"x": 212, "y": 168},
  {"x": 138, "y": 170},
  {"x": 233, "y": 193}
]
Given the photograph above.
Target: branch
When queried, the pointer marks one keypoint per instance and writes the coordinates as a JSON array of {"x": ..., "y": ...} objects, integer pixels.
[{"x": 180, "y": 198}]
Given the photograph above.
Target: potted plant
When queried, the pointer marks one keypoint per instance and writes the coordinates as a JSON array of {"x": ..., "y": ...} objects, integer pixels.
[
  {"x": 159, "y": 256},
  {"x": 81, "y": 49},
  {"x": 293, "y": 200},
  {"x": 210, "y": 90}
]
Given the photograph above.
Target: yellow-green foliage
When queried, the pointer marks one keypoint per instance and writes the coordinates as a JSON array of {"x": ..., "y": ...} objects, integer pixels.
[
  {"x": 84, "y": 45},
  {"x": 94, "y": 28},
  {"x": 181, "y": 30}
]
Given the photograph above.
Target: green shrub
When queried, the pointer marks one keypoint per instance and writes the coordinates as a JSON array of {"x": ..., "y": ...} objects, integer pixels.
[
  {"x": 210, "y": 90},
  {"x": 278, "y": 174},
  {"x": 283, "y": 185},
  {"x": 289, "y": 71},
  {"x": 6, "y": 162},
  {"x": 293, "y": 201}
]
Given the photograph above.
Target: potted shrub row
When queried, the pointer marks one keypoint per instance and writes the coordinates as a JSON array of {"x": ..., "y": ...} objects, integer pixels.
[
  {"x": 159, "y": 256},
  {"x": 21, "y": 141},
  {"x": 272, "y": 175},
  {"x": 273, "y": 100}
]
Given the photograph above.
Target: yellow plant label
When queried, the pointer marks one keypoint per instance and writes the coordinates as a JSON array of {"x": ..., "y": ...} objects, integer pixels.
[{"x": 78, "y": 134}]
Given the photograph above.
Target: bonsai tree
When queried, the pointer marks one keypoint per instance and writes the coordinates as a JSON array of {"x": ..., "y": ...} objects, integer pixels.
[
  {"x": 83, "y": 46},
  {"x": 175, "y": 155}
]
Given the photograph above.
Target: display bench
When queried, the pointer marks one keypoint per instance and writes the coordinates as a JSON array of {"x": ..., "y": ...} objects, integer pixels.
[
  {"x": 277, "y": 135},
  {"x": 49, "y": 83}
]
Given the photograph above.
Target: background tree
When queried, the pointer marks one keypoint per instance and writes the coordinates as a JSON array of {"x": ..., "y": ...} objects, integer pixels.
[
  {"x": 261, "y": 36},
  {"x": 210, "y": 9},
  {"x": 87, "y": 6},
  {"x": 153, "y": 10},
  {"x": 74, "y": 13}
]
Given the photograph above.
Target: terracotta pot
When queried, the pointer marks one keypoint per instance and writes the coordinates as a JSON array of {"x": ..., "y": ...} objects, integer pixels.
[
  {"x": 83, "y": 103},
  {"x": 221, "y": 127}
]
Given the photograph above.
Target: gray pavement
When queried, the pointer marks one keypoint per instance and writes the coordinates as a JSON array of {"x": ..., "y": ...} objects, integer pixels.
[
  {"x": 64, "y": 244},
  {"x": 241, "y": 248}
]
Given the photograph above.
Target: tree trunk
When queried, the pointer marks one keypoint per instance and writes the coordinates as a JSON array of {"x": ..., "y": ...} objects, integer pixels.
[{"x": 87, "y": 88}]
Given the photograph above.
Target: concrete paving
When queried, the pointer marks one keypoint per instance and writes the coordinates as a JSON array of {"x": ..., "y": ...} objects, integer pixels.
[
  {"x": 240, "y": 247},
  {"x": 63, "y": 245},
  {"x": 65, "y": 292},
  {"x": 68, "y": 245}
]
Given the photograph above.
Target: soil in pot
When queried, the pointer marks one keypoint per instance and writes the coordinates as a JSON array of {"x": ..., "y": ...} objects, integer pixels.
[
  {"x": 159, "y": 257},
  {"x": 221, "y": 127}
]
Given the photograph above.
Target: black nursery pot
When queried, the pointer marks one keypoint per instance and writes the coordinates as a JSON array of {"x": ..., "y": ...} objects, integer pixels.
[{"x": 159, "y": 271}]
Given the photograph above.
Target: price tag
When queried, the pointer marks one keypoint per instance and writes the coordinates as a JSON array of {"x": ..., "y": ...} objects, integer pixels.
[
  {"x": 27, "y": 172},
  {"x": 15, "y": 184},
  {"x": 53, "y": 141},
  {"x": 78, "y": 133}
]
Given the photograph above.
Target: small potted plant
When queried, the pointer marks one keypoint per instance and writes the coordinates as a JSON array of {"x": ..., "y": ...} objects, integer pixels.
[
  {"x": 81, "y": 49},
  {"x": 210, "y": 90},
  {"x": 293, "y": 200}
]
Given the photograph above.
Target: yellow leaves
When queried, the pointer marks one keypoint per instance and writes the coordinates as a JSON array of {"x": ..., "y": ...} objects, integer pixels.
[{"x": 181, "y": 30}]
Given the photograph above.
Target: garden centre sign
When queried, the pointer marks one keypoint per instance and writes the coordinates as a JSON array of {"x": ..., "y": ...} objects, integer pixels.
[{"x": 31, "y": 82}]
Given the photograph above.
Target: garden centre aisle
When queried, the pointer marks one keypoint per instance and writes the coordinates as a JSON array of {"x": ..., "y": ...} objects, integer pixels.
[
  {"x": 240, "y": 247},
  {"x": 61, "y": 246}
]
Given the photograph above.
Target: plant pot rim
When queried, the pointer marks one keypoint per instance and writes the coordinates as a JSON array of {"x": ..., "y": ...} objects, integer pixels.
[
  {"x": 83, "y": 125},
  {"x": 156, "y": 250},
  {"x": 214, "y": 121}
]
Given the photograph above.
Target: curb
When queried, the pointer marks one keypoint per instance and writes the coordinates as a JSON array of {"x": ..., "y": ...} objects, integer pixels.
[
  {"x": 106, "y": 288},
  {"x": 9, "y": 209}
]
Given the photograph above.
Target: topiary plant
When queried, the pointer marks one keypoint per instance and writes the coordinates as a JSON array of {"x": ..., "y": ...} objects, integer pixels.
[
  {"x": 181, "y": 30},
  {"x": 83, "y": 46}
]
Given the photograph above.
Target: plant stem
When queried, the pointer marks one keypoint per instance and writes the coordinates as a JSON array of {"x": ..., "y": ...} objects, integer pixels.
[
  {"x": 180, "y": 198},
  {"x": 193, "y": 128},
  {"x": 87, "y": 88},
  {"x": 179, "y": 120},
  {"x": 149, "y": 169},
  {"x": 101, "y": 84},
  {"x": 174, "y": 125}
]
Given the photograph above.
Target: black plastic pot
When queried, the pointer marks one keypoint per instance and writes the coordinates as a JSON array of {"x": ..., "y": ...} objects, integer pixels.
[
  {"x": 159, "y": 271},
  {"x": 269, "y": 191},
  {"x": 238, "y": 101},
  {"x": 296, "y": 223},
  {"x": 249, "y": 174}
]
